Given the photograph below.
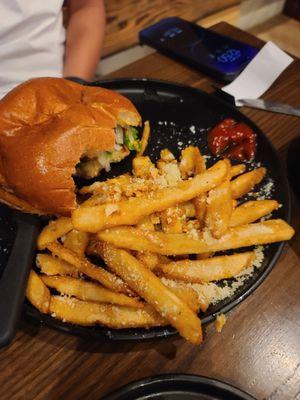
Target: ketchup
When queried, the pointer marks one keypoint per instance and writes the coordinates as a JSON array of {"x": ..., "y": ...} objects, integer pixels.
[{"x": 232, "y": 139}]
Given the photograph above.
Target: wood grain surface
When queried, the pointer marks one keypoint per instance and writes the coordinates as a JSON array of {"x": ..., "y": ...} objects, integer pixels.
[
  {"x": 125, "y": 18},
  {"x": 259, "y": 347}
]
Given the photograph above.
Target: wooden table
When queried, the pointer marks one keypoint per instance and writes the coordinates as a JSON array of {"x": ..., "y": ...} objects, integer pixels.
[{"x": 259, "y": 348}]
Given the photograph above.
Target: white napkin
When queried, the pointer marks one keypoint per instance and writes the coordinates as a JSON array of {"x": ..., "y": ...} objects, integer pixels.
[{"x": 259, "y": 74}]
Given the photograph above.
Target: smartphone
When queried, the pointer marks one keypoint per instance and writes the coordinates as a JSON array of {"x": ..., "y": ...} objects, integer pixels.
[{"x": 210, "y": 52}]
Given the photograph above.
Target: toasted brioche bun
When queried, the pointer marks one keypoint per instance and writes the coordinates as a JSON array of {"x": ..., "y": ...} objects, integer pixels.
[{"x": 46, "y": 125}]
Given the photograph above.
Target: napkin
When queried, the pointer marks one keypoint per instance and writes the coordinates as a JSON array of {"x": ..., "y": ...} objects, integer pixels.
[{"x": 259, "y": 74}]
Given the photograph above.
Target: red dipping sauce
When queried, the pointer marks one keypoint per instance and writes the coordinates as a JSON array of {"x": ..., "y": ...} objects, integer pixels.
[{"x": 232, "y": 139}]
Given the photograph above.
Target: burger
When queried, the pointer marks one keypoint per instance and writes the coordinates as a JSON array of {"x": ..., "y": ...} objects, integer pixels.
[{"x": 52, "y": 130}]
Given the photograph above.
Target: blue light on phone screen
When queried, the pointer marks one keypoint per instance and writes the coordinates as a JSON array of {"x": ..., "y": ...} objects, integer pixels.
[{"x": 229, "y": 55}]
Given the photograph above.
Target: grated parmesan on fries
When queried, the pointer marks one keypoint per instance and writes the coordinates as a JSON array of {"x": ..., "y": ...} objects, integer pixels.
[{"x": 144, "y": 227}]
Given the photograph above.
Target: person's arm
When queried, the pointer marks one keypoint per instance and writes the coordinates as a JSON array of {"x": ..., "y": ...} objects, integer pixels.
[{"x": 84, "y": 39}]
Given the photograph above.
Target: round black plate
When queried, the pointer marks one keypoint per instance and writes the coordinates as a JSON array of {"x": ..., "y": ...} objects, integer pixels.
[
  {"x": 178, "y": 387},
  {"x": 179, "y": 116}
]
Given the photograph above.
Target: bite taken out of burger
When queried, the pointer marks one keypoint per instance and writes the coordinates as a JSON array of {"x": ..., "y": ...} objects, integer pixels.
[{"x": 52, "y": 130}]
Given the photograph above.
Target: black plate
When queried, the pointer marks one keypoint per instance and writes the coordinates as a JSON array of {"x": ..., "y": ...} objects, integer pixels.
[
  {"x": 189, "y": 114},
  {"x": 178, "y": 387}
]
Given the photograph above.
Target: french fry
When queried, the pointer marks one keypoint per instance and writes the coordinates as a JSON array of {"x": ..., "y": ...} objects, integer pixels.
[
  {"x": 95, "y": 248},
  {"x": 187, "y": 293},
  {"x": 211, "y": 269},
  {"x": 37, "y": 293},
  {"x": 144, "y": 168},
  {"x": 172, "y": 220},
  {"x": 100, "y": 187},
  {"x": 207, "y": 293},
  {"x": 84, "y": 266},
  {"x": 200, "y": 164},
  {"x": 95, "y": 200},
  {"x": 53, "y": 231},
  {"x": 169, "y": 170},
  {"x": 149, "y": 287},
  {"x": 145, "y": 138},
  {"x": 146, "y": 223},
  {"x": 187, "y": 163},
  {"x": 151, "y": 260},
  {"x": 114, "y": 194},
  {"x": 237, "y": 170},
  {"x": 192, "y": 227},
  {"x": 251, "y": 211},
  {"x": 76, "y": 241},
  {"x": 219, "y": 209},
  {"x": 191, "y": 162},
  {"x": 54, "y": 266},
  {"x": 171, "y": 174},
  {"x": 89, "y": 291},
  {"x": 200, "y": 201},
  {"x": 166, "y": 156},
  {"x": 274, "y": 230},
  {"x": 245, "y": 182},
  {"x": 155, "y": 219},
  {"x": 188, "y": 296},
  {"x": 94, "y": 219},
  {"x": 199, "y": 204},
  {"x": 188, "y": 209},
  {"x": 90, "y": 313}
]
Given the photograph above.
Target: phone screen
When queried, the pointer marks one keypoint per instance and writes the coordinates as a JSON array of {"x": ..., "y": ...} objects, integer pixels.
[{"x": 202, "y": 47}]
